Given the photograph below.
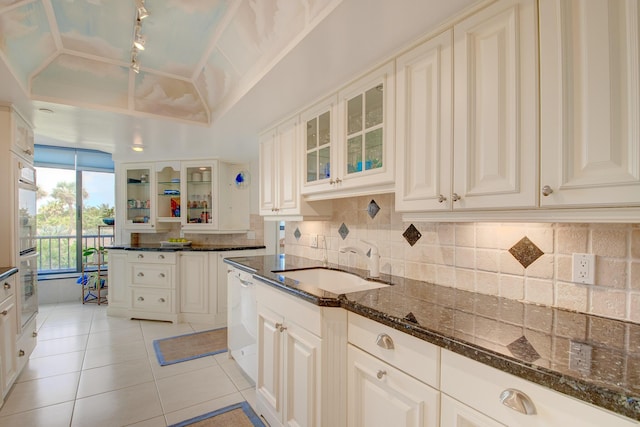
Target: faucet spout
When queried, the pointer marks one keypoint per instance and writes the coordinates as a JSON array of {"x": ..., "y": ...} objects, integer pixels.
[{"x": 372, "y": 257}]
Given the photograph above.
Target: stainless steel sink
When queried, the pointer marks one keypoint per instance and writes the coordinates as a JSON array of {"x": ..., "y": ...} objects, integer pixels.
[{"x": 338, "y": 282}]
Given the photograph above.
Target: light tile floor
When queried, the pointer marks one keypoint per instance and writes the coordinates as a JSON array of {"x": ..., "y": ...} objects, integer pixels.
[{"x": 89, "y": 369}]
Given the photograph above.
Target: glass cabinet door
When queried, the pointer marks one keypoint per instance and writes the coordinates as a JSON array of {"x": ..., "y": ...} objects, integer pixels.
[
  {"x": 318, "y": 140},
  {"x": 365, "y": 121},
  {"x": 168, "y": 194},
  {"x": 198, "y": 195},
  {"x": 139, "y": 198}
]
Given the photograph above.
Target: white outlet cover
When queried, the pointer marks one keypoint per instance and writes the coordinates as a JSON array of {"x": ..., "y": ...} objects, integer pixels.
[
  {"x": 584, "y": 269},
  {"x": 313, "y": 238}
]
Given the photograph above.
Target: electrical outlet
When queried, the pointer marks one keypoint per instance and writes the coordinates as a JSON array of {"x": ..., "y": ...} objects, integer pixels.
[
  {"x": 580, "y": 357},
  {"x": 584, "y": 269},
  {"x": 313, "y": 238}
]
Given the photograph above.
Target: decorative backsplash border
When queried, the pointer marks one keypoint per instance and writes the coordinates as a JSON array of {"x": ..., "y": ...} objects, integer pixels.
[{"x": 520, "y": 261}]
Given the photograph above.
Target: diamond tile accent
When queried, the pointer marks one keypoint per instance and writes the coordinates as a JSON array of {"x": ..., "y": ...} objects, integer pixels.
[
  {"x": 412, "y": 235},
  {"x": 297, "y": 233},
  {"x": 373, "y": 209},
  {"x": 411, "y": 318},
  {"x": 526, "y": 252},
  {"x": 343, "y": 231},
  {"x": 523, "y": 349}
]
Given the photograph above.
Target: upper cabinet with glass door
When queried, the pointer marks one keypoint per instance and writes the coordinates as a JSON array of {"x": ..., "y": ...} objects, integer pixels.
[
  {"x": 366, "y": 131},
  {"x": 348, "y": 140},
  {"x": 140, "y": 197},
  {"x": 199, "y": 210},
  {"x": 320, "y": 151},
  {"x": 168, "y": 189}
]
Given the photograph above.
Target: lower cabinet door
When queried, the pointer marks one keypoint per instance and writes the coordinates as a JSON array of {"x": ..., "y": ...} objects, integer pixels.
[
  {"x": 380, "y": 395},
  {"x": 269, "y": 384},
  {"x": 8, "y": 349},
  {"x": 457, "y": 414}
]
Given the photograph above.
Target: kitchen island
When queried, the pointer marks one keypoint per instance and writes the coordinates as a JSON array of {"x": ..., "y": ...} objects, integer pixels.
[{"x": 532, "y": 342}]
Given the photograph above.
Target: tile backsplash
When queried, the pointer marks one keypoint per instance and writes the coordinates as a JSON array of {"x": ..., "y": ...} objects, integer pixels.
[{"x": 521, "y": 261}]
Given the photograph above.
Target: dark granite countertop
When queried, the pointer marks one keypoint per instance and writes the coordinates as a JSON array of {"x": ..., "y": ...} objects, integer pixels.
[
  {"x": 6, "y": 272},
  {"x": 191, "y": 248},
  {"x": 530, "y": 341}
]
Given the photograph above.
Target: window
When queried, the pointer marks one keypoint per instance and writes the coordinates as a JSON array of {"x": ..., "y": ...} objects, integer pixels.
[{"x": 75, "y": 192}]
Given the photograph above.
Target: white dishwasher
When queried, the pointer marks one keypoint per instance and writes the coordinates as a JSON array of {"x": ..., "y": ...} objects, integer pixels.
[{"x": 242, "y": 319}]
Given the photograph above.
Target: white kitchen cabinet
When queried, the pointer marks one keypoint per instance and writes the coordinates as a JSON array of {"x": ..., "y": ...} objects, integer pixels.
[
  {"x": 139, "y": 196},
  {"x": 301, "y": 361},
  {"x": 319, "y": 142},
  {"x": 456, "y": 414},
  {"x": 280, "y": 178},
  {"x": 480, "y": 387},
  {"x": 200, "y": 196},
  {"x": 168, "y": 191},
  {"x": 365, "y": 143},
  {"x": 17, "y": 133},
  {"x": 393, "y": 378},
  {"x": 495, "y": 154},
  {"x": 380, "y": 395},
  {"x": 424, "y": 120},
  {"x": 194, "y": 280},
  {"x": 151, "y": 285},
  {"x": 590, "y": 103},
  {"x": 117, "y": 280},
  {"x": 8, "y": 349}
]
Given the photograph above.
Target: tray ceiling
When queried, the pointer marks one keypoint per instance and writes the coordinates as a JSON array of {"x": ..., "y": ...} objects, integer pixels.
[{"x": 201, "y": 56}]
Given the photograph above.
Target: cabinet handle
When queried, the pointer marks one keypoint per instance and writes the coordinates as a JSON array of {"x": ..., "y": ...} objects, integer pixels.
[
  {"x": 338, "y": 180},
  {"x": 161, "y": 300},
  {"x": 4, "y": 312},
  {"x": 455, "y": 197},
  {"x": 141, "y": 274},
  {"x": 28, "y": 152},
  {"x": 140, "y": 298},
  {"x": 20, "y": 353},
  {"x": 280, "y": 327},
  {"x": 7, "y": 286},
  {"x": 161, "y": 256},
  {"x": 385, "y": 342},
  {"x": 162, "y": 275},
  {"x": 140, "y": 256},
  {"x": 441, "y": 199},
  {"x": 546, "y": 190},
  {"x": 381, "y": 374},
  {"x": 518, "y": 401},
  {"x": 331, "y": 181}
]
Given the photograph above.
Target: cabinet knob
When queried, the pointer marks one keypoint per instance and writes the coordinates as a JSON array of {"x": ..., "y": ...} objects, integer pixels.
[
  {"x": 338, "y": 180},
  {"x": 546, "y": 190},
  {"x": 385, "y": 342},
  {"x": 4, "y": 312},
  {"x": 28, "y": 152},
  {"x": 518, "y": 401},
  {"x": 7, "y": 286},
  {"x": 161, "y": 256},
  {"x": 455, "y": 197},
  {"x": 140, "y": 256},
  {"x": 162, "y": 275},
  {"x": 331, "y": 181},
  {"x": 381, "y": 374},
  {"x": 280, "y": 327},
  {"x": 140, "y": 298},
  {"x": 441, "y": 199},
  {"x": 21, "y": 353},
  {"x": 34, "y": 334},
  {"x": 162, "y": 300},
  {"x": 141, "y": 274}
]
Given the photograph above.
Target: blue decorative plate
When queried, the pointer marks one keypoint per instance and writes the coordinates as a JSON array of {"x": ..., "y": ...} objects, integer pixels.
[{"x": 243, "y": 179}]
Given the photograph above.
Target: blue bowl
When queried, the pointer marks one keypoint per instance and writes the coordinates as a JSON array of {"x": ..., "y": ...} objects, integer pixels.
[{"x": 108, "y": 221}]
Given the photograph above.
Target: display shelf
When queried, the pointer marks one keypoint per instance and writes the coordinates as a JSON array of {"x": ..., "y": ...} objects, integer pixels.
[{"x": 94, "y": 282}]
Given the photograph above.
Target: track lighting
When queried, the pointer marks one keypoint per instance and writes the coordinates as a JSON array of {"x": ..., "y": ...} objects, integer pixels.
[{"x": 139, "y": 40}]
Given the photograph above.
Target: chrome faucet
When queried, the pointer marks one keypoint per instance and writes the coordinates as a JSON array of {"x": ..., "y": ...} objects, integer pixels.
[{"x": 372, "y": 256}]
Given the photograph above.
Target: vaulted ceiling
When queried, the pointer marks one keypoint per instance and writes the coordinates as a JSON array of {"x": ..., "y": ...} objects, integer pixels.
[
  {"x": 214, "y": 73},
  {"x": 200, "y": 55}
]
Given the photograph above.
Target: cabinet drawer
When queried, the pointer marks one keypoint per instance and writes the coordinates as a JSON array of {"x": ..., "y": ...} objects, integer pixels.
[
  {"x": 412, "y": 355},
  {"x": 7, "y": 288},
  {"x": 480, "y": 386},
  {"x": 152, "y": 257},
  {"x": 154, "y": 300},
  {"x": 155, "y": 275}
]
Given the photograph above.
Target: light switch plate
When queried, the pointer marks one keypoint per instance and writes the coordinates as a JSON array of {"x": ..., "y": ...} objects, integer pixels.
[{"x": 313, "y": 240}]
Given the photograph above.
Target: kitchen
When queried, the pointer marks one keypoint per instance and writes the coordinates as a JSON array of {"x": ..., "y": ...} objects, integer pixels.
[{"x": 430, "y": 229}]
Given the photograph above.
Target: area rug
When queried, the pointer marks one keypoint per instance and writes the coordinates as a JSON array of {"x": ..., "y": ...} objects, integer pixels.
[
  {"x": 237, "y": 415},
  {"x": 190, "y": 346}
]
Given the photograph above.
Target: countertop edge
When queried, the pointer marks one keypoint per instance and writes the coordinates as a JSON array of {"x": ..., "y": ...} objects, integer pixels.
[
  {"x": 10, "y": 271},
  {"x": 196, "y": 248}
]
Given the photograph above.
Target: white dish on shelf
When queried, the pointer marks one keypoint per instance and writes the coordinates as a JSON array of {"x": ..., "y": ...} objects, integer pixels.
[{"x": 178, "y": 244}]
